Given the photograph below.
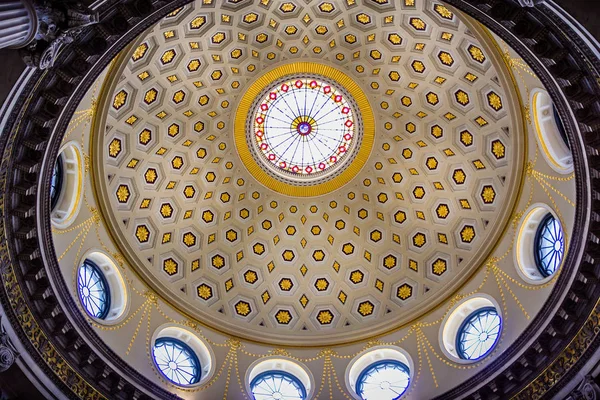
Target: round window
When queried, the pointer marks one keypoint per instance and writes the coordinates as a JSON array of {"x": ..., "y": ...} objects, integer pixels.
[
  {"x": 101, "y": 289},
  {"x": 383, "y": 380},
  {"x": 93, "y": 290},
  {"x": 471, "y": 330},
  {"x": 478, "y": 334},
  {"x": 66, "y": 186},
  {"x": 549, "y": 245},
  {"x": 275, "y": 385},
  {"x": 304, "y": 128},
  {"x": 551, "y": 135},
  {"x": 540, "y": 245},
  {"x": 176, "y": 361}
]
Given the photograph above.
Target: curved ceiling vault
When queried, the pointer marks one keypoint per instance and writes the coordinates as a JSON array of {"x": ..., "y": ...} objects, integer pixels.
[{"x": 311, "y": 187}]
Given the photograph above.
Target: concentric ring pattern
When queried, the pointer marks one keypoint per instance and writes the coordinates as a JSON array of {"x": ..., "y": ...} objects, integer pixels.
[{"x": 388, "y": 245}]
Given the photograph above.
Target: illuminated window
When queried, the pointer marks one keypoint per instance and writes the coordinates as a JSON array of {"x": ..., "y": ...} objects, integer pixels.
[
  {"x": 93, "y": 289},
  {"x": 540, "y": 245},
  {"x": 304, "y": 127},
  {"x": 176, "y": 361},
  {"x": 275, "y": 385},
  {"x": 549, "y": 246},
  {"x": 478, "y": 334},
  {"x": 383, "y": 380}
]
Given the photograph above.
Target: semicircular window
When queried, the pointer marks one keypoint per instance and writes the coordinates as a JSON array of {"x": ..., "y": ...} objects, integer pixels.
[
  {"x": 273, "y": 385},
  {"x": 478, "y": 334},
  {"x": 176, "y": 361},
  {"x": 383, "y": 380},
  {"x": 56, "y": 182},
  {"x": 549, "y": 245},
  {"x": 93, "y": 289}
]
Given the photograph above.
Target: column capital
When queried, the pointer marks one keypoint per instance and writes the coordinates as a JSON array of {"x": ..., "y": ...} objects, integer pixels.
[
  {"x": 58, "y": 23},
  {"x": 588, "y": 389},
  {"x": 8, "y": 353}
]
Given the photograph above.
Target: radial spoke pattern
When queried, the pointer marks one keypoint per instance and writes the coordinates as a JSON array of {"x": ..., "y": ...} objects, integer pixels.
[
  {"x": 56, "y": 183},
  {"x": 176, "y": 361},
  {"x": 93, "y": 290},
  {"x": 304, "y": 126},
  {"x": 549, "y": 246},
  {"x": 275, "y": 385},
  {"x": 478, "y": 334},
  {"x": 384, "y": 380}
]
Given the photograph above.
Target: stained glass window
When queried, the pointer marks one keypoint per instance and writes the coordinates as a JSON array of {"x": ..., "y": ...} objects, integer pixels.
[
  {"x": 549, "y": 246},
  {"x": 276, "y": 385},
  {"x": 56, "y": 182},
  {"x": 478, "y": 334},
  {"x": 176, "y": 361},
  {"x": 304, "y": 126},
  {"x": 93, "y": 289},
  {"x": 383, "y": 380}
]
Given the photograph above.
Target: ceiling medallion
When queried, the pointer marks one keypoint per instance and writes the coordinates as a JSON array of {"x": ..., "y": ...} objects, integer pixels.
[{"x": 304, "y": 129}]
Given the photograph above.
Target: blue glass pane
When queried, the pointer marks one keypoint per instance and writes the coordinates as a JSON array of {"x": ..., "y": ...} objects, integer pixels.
[
  {"x": 478, "y": 334},
  {"x": 56, "y": 182},
  {"x": 549, "y": 245},
  {"x": 383, "y": 380},
  {"x": 176, "y": 361},
  {"x": 276, "y": 385},
  {"x": 93, "y": 290}
]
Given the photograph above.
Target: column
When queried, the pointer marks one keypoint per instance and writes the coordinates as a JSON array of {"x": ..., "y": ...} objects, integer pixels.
[{"x": 18, "y": 23}]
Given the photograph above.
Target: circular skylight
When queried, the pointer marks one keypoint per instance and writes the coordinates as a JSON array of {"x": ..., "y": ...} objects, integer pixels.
[{"x": 304, "y": 127}]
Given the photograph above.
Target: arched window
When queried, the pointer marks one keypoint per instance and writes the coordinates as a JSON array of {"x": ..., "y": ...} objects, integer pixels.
[
  {"x": 93, "y": 289},
  {"x": 478, "y": 333},
  {"x": 176, "y": 361},
  {"x": 275, "y": 385},
  {"x": 383, "y": 380},
  {"x": 56, "y": 183},
  {"x": 549, "y": 245}
]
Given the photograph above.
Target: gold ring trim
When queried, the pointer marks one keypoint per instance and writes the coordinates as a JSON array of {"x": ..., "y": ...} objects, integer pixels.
[{"x": 362, "y": 103}]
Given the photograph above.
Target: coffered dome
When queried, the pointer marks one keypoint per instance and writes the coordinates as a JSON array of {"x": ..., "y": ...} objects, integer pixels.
[
  {"x": 395, "y": 192},
  {"x": 315, "y": 199}
]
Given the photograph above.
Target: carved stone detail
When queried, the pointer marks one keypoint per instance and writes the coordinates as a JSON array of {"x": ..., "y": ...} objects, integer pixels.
[
  {"x": 588, "y": 389},
  {"x": 8, "y": 353},
  {"x": 59, "y": 23}
]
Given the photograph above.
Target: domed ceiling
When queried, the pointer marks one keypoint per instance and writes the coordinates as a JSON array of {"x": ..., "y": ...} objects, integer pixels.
[
  {"x": 419, "y": 165},
  {"x": 418, "y": 206}
]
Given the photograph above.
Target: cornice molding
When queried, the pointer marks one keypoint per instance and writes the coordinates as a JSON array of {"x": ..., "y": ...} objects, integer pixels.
[{"x": 50, "y": 323}]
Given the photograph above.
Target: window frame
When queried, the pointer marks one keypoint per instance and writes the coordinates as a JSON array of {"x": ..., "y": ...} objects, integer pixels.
[
  {"x": 295, "y": 379},
  {"x": 542, "y": 226},
  {"x": 193, "y": 356},
  {"x": 104, "y": 282},
  {"x": 368, "y": 368},
  {"x": 467, "y": 320}
]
